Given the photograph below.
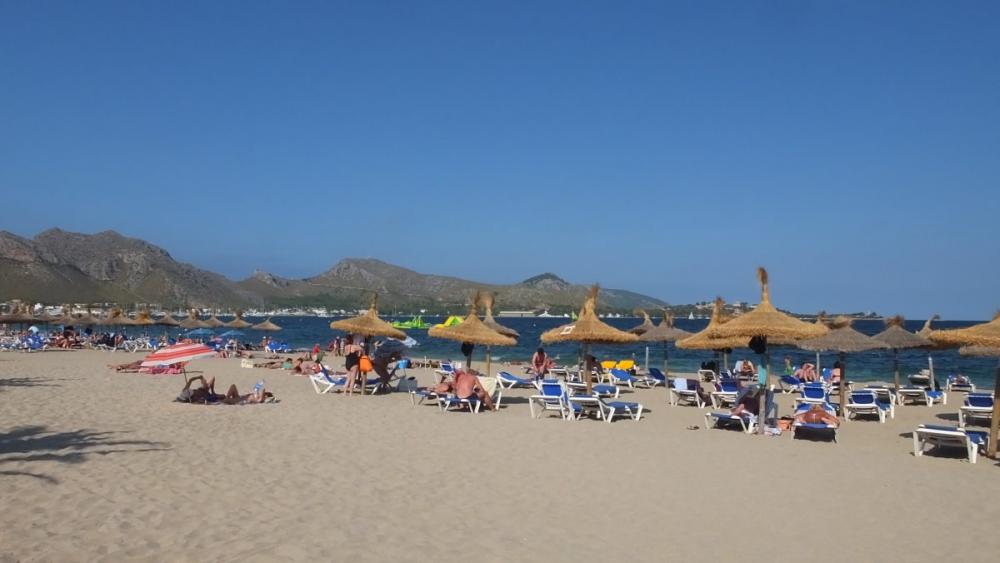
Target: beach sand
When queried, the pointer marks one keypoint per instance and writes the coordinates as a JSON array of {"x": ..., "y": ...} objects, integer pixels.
[{"x": 99, "y": 466}]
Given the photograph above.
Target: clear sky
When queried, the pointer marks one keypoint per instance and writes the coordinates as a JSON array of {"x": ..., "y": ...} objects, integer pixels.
[{"x": 851, "y": 147}]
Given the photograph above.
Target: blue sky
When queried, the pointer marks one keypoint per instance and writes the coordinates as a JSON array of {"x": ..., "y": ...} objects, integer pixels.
[{"x": 668, "y": 148}]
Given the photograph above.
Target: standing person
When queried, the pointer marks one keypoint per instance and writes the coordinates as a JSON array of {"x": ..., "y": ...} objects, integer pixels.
[
  {"x": 540, "y": 363},
  {"x": 352, "y": 361},
  {"x": 789, "y": 369}
]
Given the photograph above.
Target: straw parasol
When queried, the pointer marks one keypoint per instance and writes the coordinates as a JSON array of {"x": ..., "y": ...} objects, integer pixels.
[
  {"x": 647, "y": 323},
  {"x": 192, "y": 321},
  {"x": 842, "y": 339},
  {"x": 369, "y": 324},
  {"x": 19, "y": 315},
  {"x": 979, "y": 351},
  {"x": 666, "y": 333},
  {"x": 486, "y": 300},
  {"x": 926, "y": 329},
  {"x": 238, "y": 322},
  {"x": 266, "y": 325},
  {"x": 702, "y": 340},
  {"x": 764, "y": 322},
  {"x": 214, "y": 322},
  {"x": 143, "y": 318},
  {"x": 473, "y": 331},
  {"x": 167, "y": 320},
  {"x": 979, "y": 339},
  {"x": 588, "y": 329},
  {"x": 898, "y": 338},
  {"x": 116, "y": 317}
]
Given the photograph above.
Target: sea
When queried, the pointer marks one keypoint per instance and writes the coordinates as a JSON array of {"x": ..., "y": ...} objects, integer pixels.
[{"x": 303, "y": 332}]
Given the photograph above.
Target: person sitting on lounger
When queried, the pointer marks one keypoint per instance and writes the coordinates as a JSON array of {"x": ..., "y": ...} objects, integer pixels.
[
  {"x": 466, "y": 386},
  {"x": 807, "y": 373},
  {"x": 817, "y": 415},
  {"x": 747, "y": 370},
  {"x": 387, "y": 352}
]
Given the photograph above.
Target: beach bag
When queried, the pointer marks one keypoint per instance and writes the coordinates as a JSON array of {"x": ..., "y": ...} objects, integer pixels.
[{"x": 365, "y": 364}]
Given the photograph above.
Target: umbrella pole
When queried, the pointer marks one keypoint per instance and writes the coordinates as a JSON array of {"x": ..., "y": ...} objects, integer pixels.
[
  {"x": 819, "y": 370},
  {"x": 725, "y": 360},
  {"x": 762, "y": 405},
  {"x": 666, "y": 370},
  {"x": 487, "y": 361},
  {"x": 843, "y": 385},
  {"x": 895, "y": 367},
  {"x": 586, "y": 362},
  {"x": 991, "y": 446},
  {"x": 647, "y": 359}
]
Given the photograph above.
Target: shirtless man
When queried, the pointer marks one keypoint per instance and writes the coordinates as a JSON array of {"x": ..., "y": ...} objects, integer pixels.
[
  {"x": 203, "y": 394},
  {"x": 465, "y": 386},
  {"x": 817, "y": 415}
]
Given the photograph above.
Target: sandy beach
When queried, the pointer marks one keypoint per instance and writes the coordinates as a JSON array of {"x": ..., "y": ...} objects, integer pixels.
[{"x": 99, "y": 466}]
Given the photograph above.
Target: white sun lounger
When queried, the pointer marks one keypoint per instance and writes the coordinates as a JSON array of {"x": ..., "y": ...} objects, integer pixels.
[{"x": 935, "y": 435}]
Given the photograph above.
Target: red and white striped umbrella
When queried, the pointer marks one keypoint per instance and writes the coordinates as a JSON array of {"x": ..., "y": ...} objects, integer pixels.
[{"x": 176, "y": 354}]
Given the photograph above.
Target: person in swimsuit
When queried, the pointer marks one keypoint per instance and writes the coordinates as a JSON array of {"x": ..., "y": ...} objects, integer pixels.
[
  {"x": 817, "y": 415},
  {"x": 203, "y": 394},
  {"x": 467, "y": 386},
  {"x": 540, "y": 363},
  {"x": 352, "y": 361},
  {"x": 233, "y": 397}
]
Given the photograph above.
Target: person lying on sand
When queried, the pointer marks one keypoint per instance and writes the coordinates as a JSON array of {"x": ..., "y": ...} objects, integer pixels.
[
  {"x": 205, "y": 393},
  {"x": 817, "y": 415},
  {"x": 465, "y": 386},
  {"x": 131, "y": 367}
]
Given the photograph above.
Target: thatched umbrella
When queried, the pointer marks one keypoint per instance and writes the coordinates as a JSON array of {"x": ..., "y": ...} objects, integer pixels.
[
  {"x": 764, "y": 322},
  {"x": 266, "y": 325},
  {"x": 588, "y": 329},
  {"x": 168, "y": 320},
  {"x": 20, "y": 315},
  {"x": 647, "y": 323},
  {"x": 368, "y": 325},
  {"x": 979, "y": 351},
  {"x": 983, "y": 337},
  {"x": 898, "y": 338},
  {"x": 666, "y": 333},
  {"x": 214, "y": 322},
  {"x": 702, "y": 340},
  {"x": 67, "y": 318},
  {"x": 238, "y": 322},
  {"x": 473, "y": 331},
  {"x": 192, "y": 321},
  {"x": 87, "y": 319},
  {"x": 116, "y": 317},
  {"x": 926, "y": 329},
  {"x": 842, "y": 339},
  {"x": 486, "y": 300}
]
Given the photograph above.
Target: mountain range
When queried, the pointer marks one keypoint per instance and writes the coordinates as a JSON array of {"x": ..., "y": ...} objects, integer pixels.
[{"x": 57, "y": 266}]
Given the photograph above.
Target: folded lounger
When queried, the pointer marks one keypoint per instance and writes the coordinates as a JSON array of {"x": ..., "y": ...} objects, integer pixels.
[
  {"x": 745, "y": 421},
  {"x": 936, "y": 435}
]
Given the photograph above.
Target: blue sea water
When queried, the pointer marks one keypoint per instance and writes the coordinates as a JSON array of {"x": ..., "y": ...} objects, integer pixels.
[{"x": 304, "y": 332}]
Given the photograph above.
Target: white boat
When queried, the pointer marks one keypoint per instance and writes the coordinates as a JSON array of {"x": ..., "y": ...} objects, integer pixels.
[{"x": 691, "y": 316}]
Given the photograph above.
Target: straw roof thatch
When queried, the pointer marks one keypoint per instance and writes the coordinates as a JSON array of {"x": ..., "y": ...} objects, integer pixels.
[
  {"x": 213, "y": 322},
  {"x": 665, "y": 331},
  {"x": 979, "y": 351},
  {"x": 116, "y": 317},
  {"x": 587, "y": 327},
  {"x": 20, "y": 314},
  {"x": 767, "y": 321},
  {"x": 192, "y": 321},
  {"x": 238, "y": 322},
  {"x": 702, "y": 340},
  {"x": 926, "y": 329},
  {"x": 266, "y": 325},
  {"x": 486, "y": 300},
  {"x": 898, "y": 338},
  {"x": 472, "y": 330},
  {"x": 646, "y": 326},
  {"x": 369, "y": 324},
  {"x": 984, "y": 334},
  {"x": 842, "y": 338},
  {"x": 168, "y": 320},
  {"x": 143, "y": 318}
]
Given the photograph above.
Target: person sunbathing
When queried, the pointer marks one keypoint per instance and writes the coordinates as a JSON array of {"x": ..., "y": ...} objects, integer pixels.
[
  {"x": 466, "y": 386},
  {"x": 131, "y": 367},
  {"x": 205, "y": 393},
  {"x": 817, "y": 415},
  {"x": 807, "y": 373},
  {"x": 272, "y": 364},
  {"x": 256, "y": 397}
]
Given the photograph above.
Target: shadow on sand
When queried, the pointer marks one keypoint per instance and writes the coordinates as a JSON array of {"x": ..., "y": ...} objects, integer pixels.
[{"x": 25, "y": 444}]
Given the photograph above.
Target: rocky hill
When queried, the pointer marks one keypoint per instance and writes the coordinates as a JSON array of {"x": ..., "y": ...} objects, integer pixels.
[{"x": 59, "y": 266}]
